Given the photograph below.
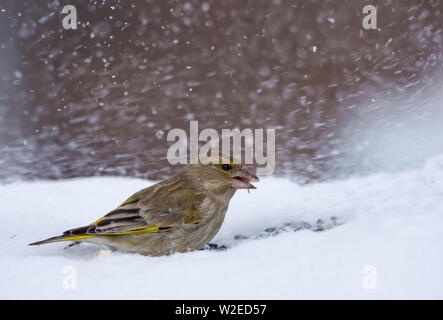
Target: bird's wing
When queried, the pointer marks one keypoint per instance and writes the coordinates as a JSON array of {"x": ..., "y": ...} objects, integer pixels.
[{"x": 147, "y": 211}]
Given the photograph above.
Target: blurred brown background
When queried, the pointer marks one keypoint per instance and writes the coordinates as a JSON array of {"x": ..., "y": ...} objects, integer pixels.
[{"x": 99, "y": 100}]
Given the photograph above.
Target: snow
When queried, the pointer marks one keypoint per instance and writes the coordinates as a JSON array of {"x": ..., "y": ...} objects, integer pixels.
[{"x": 389, "y": 245}]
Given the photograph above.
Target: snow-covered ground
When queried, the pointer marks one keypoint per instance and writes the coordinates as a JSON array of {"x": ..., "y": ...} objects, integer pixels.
[{"x": 389, "y": 246}]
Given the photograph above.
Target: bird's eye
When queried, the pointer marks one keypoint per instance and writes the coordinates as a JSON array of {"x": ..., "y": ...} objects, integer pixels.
[{"x": 226, "y": 167}]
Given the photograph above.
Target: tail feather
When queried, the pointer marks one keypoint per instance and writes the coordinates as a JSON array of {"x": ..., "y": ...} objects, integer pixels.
[{"x": 61, "y": 238}]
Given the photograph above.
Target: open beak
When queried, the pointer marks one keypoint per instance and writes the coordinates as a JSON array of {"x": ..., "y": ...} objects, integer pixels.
[{"x": 242, "y": 179}]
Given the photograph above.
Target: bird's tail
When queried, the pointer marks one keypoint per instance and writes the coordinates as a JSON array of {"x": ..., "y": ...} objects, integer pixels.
[{"x": 65, "y": 237}]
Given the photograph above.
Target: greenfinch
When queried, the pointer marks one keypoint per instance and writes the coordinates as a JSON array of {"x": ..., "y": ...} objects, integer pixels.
[{"x": 180, "y": 214}]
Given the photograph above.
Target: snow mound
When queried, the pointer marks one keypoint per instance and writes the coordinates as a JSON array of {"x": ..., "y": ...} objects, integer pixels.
[{"x": 388, "y": 244}]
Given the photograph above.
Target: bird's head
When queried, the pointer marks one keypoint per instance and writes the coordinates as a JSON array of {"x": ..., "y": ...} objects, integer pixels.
[{"x": 224, "y": 174}]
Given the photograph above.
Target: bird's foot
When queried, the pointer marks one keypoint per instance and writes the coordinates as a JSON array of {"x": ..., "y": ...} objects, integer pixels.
[{"x": 214, "y": 246}]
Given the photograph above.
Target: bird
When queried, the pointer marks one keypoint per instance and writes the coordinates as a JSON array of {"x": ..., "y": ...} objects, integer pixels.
[{"x": 180, "y": 214}]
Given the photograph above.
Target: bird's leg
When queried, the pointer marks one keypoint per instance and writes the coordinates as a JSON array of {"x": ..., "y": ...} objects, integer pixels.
[{"x": 72, "y": 244}]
